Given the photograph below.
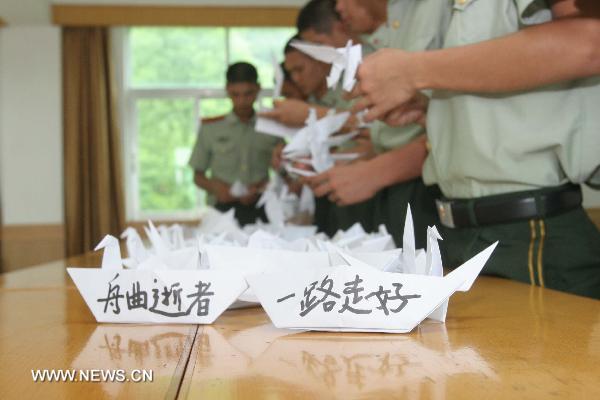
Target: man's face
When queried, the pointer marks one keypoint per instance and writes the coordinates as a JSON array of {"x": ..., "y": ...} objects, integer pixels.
[
  {"x": 357, "y": 15},
  {"x": 290, "y": 90},
  {"x": 310, "y": 75},
  {"x": 338, "y": 37},
  {"x": 243, "y": 95}
]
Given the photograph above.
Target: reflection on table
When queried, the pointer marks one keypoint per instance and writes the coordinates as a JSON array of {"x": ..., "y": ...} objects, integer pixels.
[{"x": 501, "y": 340}]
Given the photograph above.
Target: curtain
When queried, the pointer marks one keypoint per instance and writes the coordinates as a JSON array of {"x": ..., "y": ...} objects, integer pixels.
[
  {"x": 93, "y": 186},
  {"x": 1, "y": 236}
]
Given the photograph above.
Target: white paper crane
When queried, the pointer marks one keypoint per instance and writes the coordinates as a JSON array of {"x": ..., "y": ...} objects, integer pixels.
[
  {"x": 409, "y": 254},
  {"x": 111, "y": 259},
  {"x": 272, "y": 200},
  {"x": 343, "y": 60},
  {"x": 135, "y": 247},
  {"x": 434, "y": 256},
  {"x": 312, "y": 143},
  {"x": 280, "y": 204}
]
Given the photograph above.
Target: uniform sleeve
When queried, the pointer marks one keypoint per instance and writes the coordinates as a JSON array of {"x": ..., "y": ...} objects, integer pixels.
[
  {"x": 533, "y": 12},
  {"x": 202, "y": 153}
]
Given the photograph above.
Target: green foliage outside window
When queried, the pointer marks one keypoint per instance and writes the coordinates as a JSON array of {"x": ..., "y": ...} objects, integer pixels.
[{"x": 186, "y": 58}]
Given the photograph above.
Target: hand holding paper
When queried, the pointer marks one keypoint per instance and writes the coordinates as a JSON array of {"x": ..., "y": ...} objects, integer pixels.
[
  {"x": 387, "y": 84},
  {"x": 221, "y": 190},
  {"x": 238, "y": 189},
  {"x": 346, "y": 184}
]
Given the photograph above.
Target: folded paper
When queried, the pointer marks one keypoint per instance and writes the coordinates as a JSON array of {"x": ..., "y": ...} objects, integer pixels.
[
  {"x": 119, "y": 295},
  {"x": 343, "y": 60},
  {"x": 358, "y": 298}
]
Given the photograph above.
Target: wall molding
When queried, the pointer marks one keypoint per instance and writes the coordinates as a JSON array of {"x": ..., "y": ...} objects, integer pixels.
[
  {"x": 146, "y": 15},
  {"x": 27, "y": 245},
  {"x": 139, "y": 225}
]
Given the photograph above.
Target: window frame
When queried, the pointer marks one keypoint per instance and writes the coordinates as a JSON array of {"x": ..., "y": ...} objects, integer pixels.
[{"x": 127, "y": 115}]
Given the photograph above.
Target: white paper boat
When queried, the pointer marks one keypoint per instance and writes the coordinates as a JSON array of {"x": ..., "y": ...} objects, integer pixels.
[
  {"x": 118, "y": 295},
  {"x": 358, "y": 297}
]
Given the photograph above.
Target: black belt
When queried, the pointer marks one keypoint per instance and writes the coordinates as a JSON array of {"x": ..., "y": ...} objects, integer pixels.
[{"x": 509, "y": 207}]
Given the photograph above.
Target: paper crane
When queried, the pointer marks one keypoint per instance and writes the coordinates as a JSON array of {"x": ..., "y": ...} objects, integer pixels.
[
  {"x": 135, "y": 247},
  {"x": 344, "y": 60},
  {"x": 111, "y": 259},
  {"x": 272, "y": 199},
  {"x": 312, "y": 143}
]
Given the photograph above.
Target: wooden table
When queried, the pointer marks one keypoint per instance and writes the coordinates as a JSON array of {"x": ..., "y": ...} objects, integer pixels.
[{"x": 501, "y": 340}]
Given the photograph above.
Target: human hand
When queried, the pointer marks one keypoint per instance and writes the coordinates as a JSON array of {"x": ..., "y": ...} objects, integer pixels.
[
  {"x": 277, "y": 156},
  {"x": 222, "y": 191},
  {"x": 413, "y": 112},
  {"x": 386, "y": 83},
  {"x": 346, "y": 184}
]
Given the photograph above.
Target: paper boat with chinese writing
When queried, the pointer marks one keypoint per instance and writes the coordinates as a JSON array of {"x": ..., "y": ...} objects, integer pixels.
[
  {"x": 117, "y": 295},
  {"x": 360, "y": 298},
  {"x": 365, "y": 294}
]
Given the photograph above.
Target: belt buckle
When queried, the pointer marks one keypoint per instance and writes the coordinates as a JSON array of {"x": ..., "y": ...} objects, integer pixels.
[{"x": 444, "y": 210}]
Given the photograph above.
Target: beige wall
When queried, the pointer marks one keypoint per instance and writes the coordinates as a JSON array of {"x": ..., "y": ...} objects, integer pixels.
[
  {"x": 31, "y": 125},
  {"x": 31, "y": 175}
]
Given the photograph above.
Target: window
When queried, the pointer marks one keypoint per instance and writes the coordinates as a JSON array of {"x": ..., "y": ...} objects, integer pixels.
[{"x": 172, "y": 78}]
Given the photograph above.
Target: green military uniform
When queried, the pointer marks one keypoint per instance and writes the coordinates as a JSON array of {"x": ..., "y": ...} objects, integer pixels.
[
  {"x": 413, "y": 25},
  {"x": 493, "y": 148},
  {"x": 233, "y": 151},
  {"x": 333, "y": 98}
]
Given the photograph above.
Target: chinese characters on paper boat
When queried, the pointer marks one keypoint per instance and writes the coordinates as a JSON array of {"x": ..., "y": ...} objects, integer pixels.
[{"x": 352, "y": 282}]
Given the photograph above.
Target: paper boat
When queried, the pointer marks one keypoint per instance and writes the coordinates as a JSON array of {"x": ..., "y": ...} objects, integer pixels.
[
  {"x": 359, "y": 298},
  {"x": 118, "y": 295}
]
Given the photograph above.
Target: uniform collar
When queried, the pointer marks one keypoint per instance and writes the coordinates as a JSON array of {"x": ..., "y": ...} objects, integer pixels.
[{"x": 233, "y": 119}]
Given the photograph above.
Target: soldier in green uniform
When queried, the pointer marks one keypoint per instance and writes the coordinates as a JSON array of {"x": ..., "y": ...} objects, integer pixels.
[
  {"x": 229, "y": 150},
  {"x": 311, "y": 77},
  {"x": 393, "y": 177},
  {"x": 319, "y": 22},
  {"x": 514, "y": 130}
]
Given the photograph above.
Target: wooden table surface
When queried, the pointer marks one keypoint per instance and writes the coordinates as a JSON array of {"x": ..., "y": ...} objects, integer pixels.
[{"x": 500, "y": 340}]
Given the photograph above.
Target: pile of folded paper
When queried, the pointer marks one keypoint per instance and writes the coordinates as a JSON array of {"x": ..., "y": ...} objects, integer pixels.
[{"x": 354, "y": 281}]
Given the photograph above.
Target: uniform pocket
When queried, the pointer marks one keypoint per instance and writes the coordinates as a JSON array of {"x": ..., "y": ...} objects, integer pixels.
[{"x": 224, "y": 145}]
